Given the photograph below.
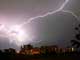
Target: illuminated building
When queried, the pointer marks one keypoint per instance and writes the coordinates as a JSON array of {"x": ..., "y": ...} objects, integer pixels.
[{"x": 35, "y": 51}]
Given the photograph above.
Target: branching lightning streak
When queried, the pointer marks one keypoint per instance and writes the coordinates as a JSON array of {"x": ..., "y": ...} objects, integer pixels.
[
  {"x": 70, "y": 13},
  {"x": 49, "y": 13},
  {"x": 76, "y": 17}
]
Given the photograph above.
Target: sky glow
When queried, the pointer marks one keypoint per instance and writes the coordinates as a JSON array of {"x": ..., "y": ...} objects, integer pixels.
[{"x": 17, "y": 34}]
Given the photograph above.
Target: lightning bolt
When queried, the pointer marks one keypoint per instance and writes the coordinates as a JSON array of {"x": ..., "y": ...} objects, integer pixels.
[
  {"x": 70, "y": 13},
  {"x": 49, "y": 13}
]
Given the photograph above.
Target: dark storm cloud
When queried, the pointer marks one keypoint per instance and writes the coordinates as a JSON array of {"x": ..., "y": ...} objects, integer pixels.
[
  {"x": 53, "y": 29},
  {"x": 18, "y": 10},
  {"x": 56, "y": 28},
  {"x": 4, "y": 43},
  {"x": 74, "y": 6},
  {"x": 31, "y": 7},
  {"x": 15, "y": 11}
]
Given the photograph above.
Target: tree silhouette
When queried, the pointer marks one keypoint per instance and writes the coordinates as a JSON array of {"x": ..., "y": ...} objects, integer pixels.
[
  {"x": 29, "y": 46},
  {"x": 76, "y": 42}
]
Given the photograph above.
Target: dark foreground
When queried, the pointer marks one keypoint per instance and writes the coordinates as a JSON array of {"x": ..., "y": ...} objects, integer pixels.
[{"x": 39, "y": 57}]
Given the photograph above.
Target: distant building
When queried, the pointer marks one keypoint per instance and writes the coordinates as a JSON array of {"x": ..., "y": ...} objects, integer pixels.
[
  {"x": 35, "y": 51},
  {"x": 49, "y": 49},
  {"x": 26, "y": 49},
  {"x": 63, "y": 50},
  {"x": 29, "y": 50}
]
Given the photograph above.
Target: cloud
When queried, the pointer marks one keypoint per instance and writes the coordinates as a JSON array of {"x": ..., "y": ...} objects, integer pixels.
[
  {"x": 74, "y": 6},
  {"x": 5, "y": 43},
  {"x": 56, "y": 28}
]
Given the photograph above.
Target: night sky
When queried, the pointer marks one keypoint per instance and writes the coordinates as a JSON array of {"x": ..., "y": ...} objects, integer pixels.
[{"x": 40, "y": 27}]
